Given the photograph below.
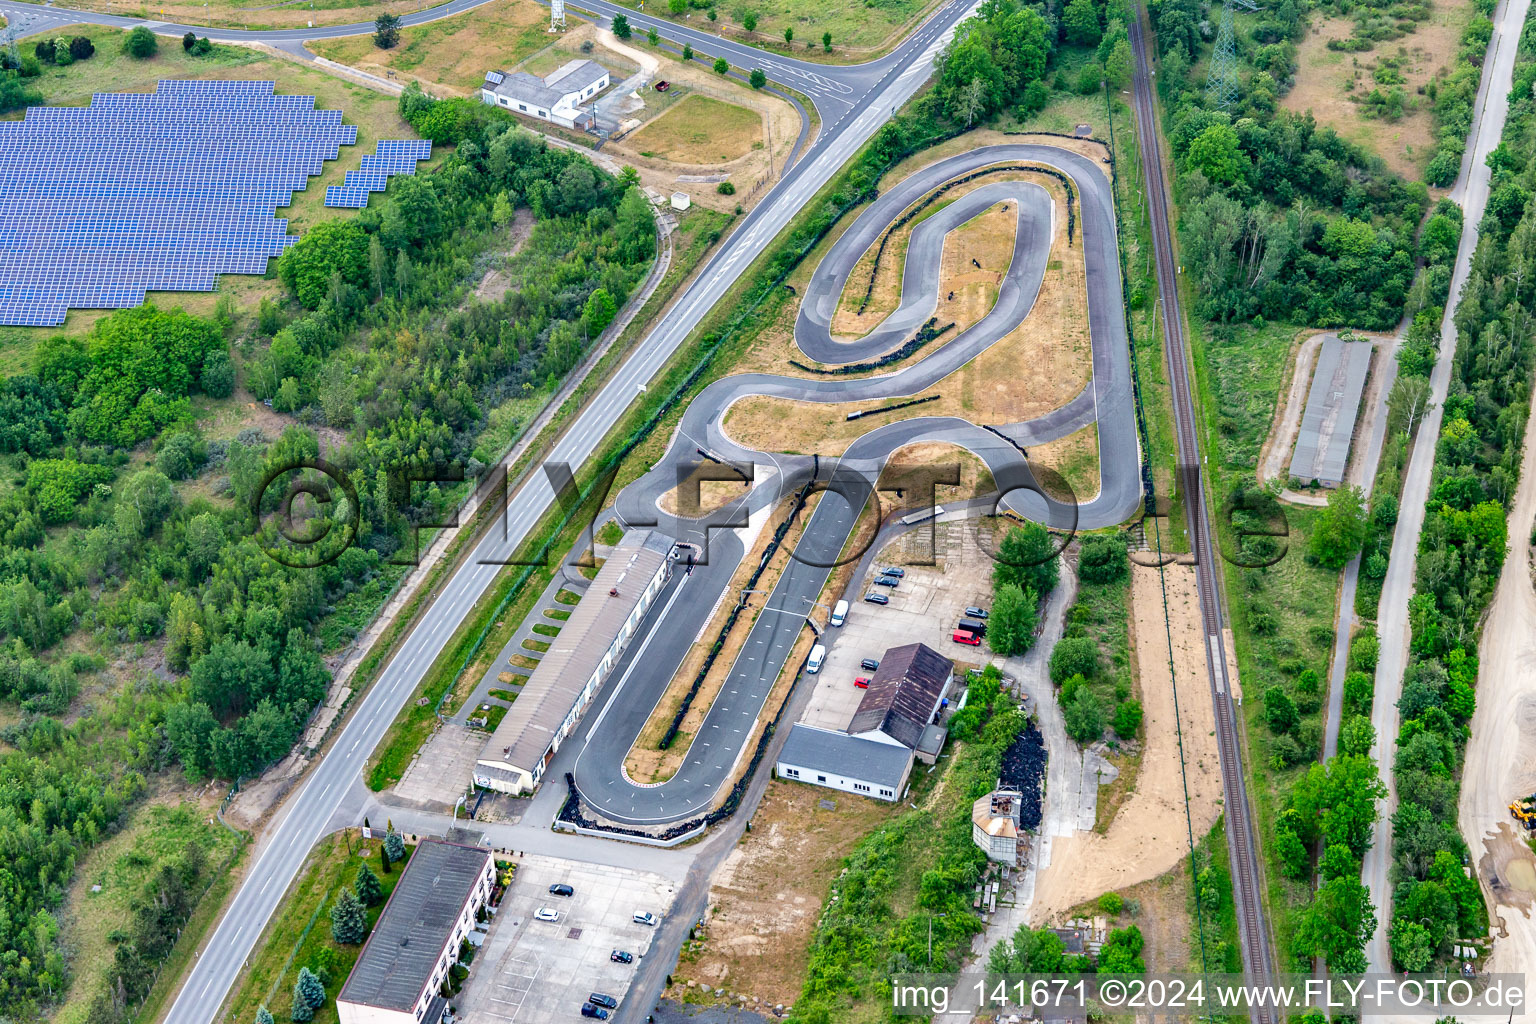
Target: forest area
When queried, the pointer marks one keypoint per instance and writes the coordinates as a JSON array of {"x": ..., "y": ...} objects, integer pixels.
[{"x": 124, "y": 532}]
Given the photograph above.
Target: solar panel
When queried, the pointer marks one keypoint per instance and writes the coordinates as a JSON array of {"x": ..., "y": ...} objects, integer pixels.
[{"x": 163, "y": 191}]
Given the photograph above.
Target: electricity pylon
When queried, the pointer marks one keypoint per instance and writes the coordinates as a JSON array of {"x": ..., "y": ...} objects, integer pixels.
[{"x": 1221, "y": 84}]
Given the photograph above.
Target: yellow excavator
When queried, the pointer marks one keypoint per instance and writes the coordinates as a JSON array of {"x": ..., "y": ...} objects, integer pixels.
[{"x": 1524, "y": 811}]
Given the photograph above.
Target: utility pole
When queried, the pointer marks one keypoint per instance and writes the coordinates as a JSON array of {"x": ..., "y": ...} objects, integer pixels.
[{"x": 1221, "y": 84}]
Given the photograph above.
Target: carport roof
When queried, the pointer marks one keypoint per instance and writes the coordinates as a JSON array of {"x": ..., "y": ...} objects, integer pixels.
[
  {"x": 397, "y": 962},
  {"x": 852, "y": 757}
]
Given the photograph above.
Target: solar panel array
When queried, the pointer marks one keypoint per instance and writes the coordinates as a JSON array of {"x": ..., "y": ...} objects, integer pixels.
[
  {"x": 392, "y": 156},
  {"x": 159, "y": 191}
]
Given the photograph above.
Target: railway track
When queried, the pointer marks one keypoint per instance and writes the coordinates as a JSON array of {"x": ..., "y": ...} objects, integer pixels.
[{"x": 1246, "y": 879}]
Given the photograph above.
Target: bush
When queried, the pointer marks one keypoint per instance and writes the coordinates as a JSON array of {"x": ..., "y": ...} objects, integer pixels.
[
  {"x": 45, "y": 51},
  {"x": 1280, "y": 711},
  {"x": 1363, "y": 652},
  {"x": 1084, "y": 716},
  {"x": 1103, "y": 560},
  {"x": 1111, "y": 903},
  {"x": 81, "y": 48},
  {"x": 141, "y": 44},
  {"x": 386, "y": 31},
  {"x": 722, "y": 66},
  {"x": 1089, "y": 79},
  {"x": 1074, "y": 656},
  {"x": 757, "y": 78},
  {"x": 1127, "y": 719},
  {"x": 218, "y": 377},
  {"x": 621, "y": 26},
  {"x": 725, "y": 188},
  {"x": 188, "y": 41}
]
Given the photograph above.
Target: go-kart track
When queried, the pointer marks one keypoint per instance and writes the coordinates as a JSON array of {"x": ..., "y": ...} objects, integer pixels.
[{"x": 660, "y": 647}]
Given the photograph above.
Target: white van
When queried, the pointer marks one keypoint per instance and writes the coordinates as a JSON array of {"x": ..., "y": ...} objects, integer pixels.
[
  {"x": 818, "y": 655},
  {"x": 839, "y": 613}
]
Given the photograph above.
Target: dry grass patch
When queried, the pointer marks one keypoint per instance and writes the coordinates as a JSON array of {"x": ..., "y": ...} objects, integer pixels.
[
  {"x": 1075, "y": 459},
  {"x": 682, "y": 500},
  {"x": 455, "y": 52},
  {"x": 767, "y": 896},
  {"x": 702, "y": 130},
  {"x": 1052, "y": 341},
  {"x": 1328, "y": 82},
  {"x": 645, "y": 763}
]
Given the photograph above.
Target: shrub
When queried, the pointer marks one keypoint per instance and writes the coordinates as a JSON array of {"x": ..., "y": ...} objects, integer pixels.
[
  {"x": 725, "y": 188},
  {"x": 1280, "y": 711},
  {"x": 45, "y": 51},
  {"x": 1363, "y": 652},
  {"x": 1074, "y": 656},
  {"x": 757, "y": 78},
  {"x": 81, "y": 48},
  {"x": 1103, "y": 560},
  {"x": 1307, "y": 681},
  {"x": 141, "y": 44},
  {"x": 188, "y": 41},
  {"x": 1127, "y": 719},
  {"x": 386, "y": 31},
  {"x": 1111, "y": 903},
  {"x": 621, "y": 26},
  {"x": 722, "y": 66},
  {"x": 1084, "y": 717}
]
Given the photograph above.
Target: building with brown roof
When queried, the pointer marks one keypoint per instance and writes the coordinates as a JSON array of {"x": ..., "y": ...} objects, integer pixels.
[{"x": 904, "y": 697}]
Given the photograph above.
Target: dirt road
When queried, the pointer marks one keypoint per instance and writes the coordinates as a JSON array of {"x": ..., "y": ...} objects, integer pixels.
[{"x": 1501, "y": 755}]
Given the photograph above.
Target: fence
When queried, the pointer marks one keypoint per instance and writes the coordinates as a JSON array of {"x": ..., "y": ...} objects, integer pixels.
[{"x": 924, "y": 335}]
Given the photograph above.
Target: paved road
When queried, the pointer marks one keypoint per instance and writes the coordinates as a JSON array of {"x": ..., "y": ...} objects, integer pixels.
[
  {"x": 1471, "y": 190},
  {"x": 304, "y": 817},
  {"x": 720, "y": 743}
]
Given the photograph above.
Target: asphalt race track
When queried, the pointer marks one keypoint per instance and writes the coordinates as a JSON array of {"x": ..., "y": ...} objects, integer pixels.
[{"x": 720, "y": 744}]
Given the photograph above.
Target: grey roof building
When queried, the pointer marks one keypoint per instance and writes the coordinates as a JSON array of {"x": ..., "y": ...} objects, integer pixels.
[
  {"x": 854, "y": 764},
  {"x": 903, "y": 694},
  {"x": 1333, "y": 404},
  {"x": 556, "y": 98},
  {"x": 416, "y": 939},
  {"x": 578, "y": 660}
]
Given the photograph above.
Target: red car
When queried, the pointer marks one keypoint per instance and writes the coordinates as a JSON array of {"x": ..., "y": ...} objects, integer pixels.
[
  {"x": 965, "y": 636},
  {"x": 662, "y": 86},
  {"x": 862, "y": 682}
]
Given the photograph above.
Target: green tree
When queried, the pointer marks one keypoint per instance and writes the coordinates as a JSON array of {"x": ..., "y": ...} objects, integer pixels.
[
  {"x": 600, "y": 311},
  {"x": 757, "y": 78},
  {"x": 676, "y": 7},
  {"x": 1217, "y": 154},
  {"x": 386, "y": 31},
  {"x": 1127, "y": 719},
  {"x": 141, "y": 43},
  {"x": 1280, "y": 711},
  {"x": 1121, "y": 952},
  {"x": 330, "y": 247},
  {"x": 1103, "y": 560},
  {"x": 1080, "y": 20},
  {"x": 621, "y": 26},
  {"x": 308, "y": 996},
  {"x": 1337, "y": 924},
  {"x": 826, "y": 42},
  {"x": 1411, "y": 948},
  {"x": 1011, "y": 629},
  {"x": 368, "y": 887},
  {"x": 403, "y": 274},
  {"x": 1357, "y": 736},
  {"x": 722, "y": 66},
  {"x": 750, "y": 22},
  {"x": 789, "y": 36},
  {"x": 1074, "y": 656},
  {"x": 1027, "y": 559},
  {"x": 1119, "y": 64},
  {"x": 263, "y": 1015},
  {"x": 687, "y": 50},
  {"x": 394, "y": 845},
  {"x": 652, "y": 36},
  {"x": 1111, "y": 903},
  {"x": 1339, "y": 531},
  {"x": 1084, "y": 716},
  {"x": 349, "y": 923}
]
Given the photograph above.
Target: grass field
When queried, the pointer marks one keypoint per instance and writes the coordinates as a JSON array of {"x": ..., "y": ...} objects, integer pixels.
[
  {"x": 299, "y": 934},
  {"x": 254, "y": 14},
  {"x": 701, "y": 130},
  {"x": 156, "y": 834},
  {"x": 455, "y": 52},
  {"x": 859, "y": 30}
]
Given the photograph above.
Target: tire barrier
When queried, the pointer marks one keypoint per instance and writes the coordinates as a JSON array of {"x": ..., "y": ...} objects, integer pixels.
[
  {"x": 892, "y": 408},
  {"x": 924, "y": 335}
]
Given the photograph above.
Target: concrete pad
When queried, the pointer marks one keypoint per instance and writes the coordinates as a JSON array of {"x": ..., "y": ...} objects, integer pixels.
[{"x": 443, "y": 766}]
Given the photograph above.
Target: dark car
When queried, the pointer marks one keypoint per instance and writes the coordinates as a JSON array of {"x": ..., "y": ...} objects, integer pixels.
[
  {"x": 618, "y": 956},
  {"x": 887, "y": 581},
  {"x": 869, "y": 663},
  {"x": 561, "y": 889},
  {"x": 874, "y": 598},
  {"x": 976, "y": 613},
  {"x": 977, "y": 626},
  {"x": 892, "y": 570},
  {"x": 662, "y": 86},
  {"x": 599, "y": 999},
  {"x": 588, "y": 1010}
]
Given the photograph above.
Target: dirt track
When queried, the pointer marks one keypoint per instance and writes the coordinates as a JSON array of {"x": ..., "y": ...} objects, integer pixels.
[
  {"x": 1150, "y": 834},
  {"x": 1501, "y": 755}
]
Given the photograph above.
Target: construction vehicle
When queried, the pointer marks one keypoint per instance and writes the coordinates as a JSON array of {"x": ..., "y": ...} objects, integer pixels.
[{"x": 1524, "y": 811}]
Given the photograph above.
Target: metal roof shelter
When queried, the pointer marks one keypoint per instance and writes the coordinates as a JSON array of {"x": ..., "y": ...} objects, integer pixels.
[
  {"x": 903, "y": 694},
  {"x": 407, "y": 943},
  {"x": 562, "y": 679},
  {"x": 1333, "y": 404}
]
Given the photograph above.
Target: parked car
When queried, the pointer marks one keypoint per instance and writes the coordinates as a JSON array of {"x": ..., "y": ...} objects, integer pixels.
[
  {"x": 645, "y": 917},
  {"x": 662, "y": 86},
  {"x": 977, "y": 626},
  {"x": 596, "y": 1012},
  {"x": 887, "y": 581},
  {"x": 618, "y": 956},
  {"x": 963, "y": 636},
  {"x": 599, "y": 999},
  {"x": 874, "y": 598},
  {"x": 814, "y": 662},
  {"x": 869, "y": 663},
  {"x": 892, "y": 570},
  {"x": 839, "y": 614},
  {"x": 546, "y": 914},
  {"x": 976, "y": 613},
  {"x": 862, "y": 682},
  {"x": 561, "y": 889}
]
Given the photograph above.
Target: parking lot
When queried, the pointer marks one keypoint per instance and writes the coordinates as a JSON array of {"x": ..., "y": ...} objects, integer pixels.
[
  {"x": 925, "y": 607},
  {"x": 532, "y": 971}
]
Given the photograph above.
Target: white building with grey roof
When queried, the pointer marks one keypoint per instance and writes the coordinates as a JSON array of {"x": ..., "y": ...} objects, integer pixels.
[
  {"x": 557, "y": 98},
  {"x": 569, "y": 675},
  {"x": 416, "y": 940}
]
